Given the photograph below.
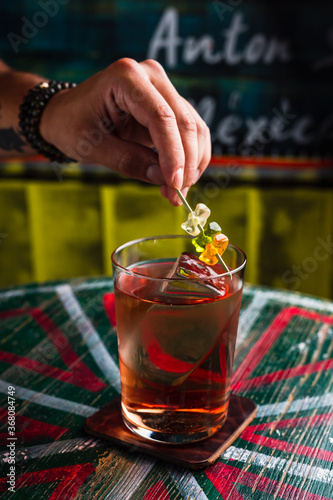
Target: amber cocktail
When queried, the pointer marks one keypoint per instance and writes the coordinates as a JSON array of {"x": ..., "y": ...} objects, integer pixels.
[{"x": 177, "y": 322}]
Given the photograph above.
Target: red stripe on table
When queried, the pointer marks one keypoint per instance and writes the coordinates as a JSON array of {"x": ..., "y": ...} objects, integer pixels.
[
  {"x": 225, "y": 478},
  {"x": 269, "y": 337},
  {"x": 250, "y": 434},
  {"x": 31, "y": 429},
  {"x": 71, "y": 478},
  {"x": 297, "y": 371},
  {"x": 79, "y": 375},
  {"x": 269, "y": 162},
  {"x": 158, "y": 491},
  {"x": 44, "y": 369}
]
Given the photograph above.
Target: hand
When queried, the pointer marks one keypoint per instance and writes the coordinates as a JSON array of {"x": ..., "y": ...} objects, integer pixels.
[{"x": 117, "y": 116}]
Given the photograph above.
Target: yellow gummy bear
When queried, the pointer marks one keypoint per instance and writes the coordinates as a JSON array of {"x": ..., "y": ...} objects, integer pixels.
[
  {"x": 211, "y": 261},
  {"x": 209, "y": 255}
]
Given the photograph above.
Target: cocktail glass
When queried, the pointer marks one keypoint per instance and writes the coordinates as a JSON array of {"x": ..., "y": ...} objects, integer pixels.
[{"x": 177, "y": 323}]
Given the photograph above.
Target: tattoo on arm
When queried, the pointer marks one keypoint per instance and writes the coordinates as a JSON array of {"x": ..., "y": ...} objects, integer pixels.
[{"x": 10, "y": 140}]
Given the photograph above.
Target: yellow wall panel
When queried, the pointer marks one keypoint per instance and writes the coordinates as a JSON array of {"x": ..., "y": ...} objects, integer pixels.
[
  {"x": 65, "y": 228},
  {"x": 295, "y": 249},
  {"x": 15, "y": 258}
]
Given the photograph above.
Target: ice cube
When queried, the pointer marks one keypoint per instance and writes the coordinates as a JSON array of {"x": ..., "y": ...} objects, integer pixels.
[{"x": 189, "y": 268}]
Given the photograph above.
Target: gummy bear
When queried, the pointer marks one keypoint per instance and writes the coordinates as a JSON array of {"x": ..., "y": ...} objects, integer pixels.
[
  {"x": 206, "y": 236},
  {"x": 196, "y": 218},
  {"x": 220, "y": 242},
  {"x": 201, "y": 241},
  {"x": 208, "y": 256},
  {"x": 213, "y": 228},
  {"x": 218, "y": 246}
]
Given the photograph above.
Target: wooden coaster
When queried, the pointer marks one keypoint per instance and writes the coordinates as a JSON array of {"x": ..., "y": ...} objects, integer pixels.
[{"x": 108, "y": 424}]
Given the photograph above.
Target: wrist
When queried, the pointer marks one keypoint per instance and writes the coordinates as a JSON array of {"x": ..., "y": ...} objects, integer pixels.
[
  {"x": 36, "y": 121},
  {"x": 50, "y": 121}
]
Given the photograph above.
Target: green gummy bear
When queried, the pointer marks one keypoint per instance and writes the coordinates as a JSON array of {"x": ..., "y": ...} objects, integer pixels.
[
  {"x": 212, "y": 229},
  {"x": 201, "y": 241}
]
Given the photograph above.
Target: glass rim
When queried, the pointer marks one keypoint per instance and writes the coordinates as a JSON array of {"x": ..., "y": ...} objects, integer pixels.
[{"x": 171, "y": 236}]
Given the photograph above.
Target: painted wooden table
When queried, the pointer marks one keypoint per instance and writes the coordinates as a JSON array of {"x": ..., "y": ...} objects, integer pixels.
[{"x": 59, "y": 364}]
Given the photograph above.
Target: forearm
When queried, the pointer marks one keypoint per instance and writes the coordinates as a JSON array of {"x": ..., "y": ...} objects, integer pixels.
[{"x": 14, "y": 85}]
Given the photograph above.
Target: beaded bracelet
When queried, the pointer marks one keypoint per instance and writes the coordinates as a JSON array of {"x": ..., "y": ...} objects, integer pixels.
[{"x": 31, "y": 111}]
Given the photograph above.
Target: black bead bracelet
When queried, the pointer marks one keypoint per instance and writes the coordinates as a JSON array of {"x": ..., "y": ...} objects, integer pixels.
[{"x": 31, "y": 111}]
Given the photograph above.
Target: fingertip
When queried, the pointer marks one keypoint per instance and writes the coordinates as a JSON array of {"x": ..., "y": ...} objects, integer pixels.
[
  {"x": 178, "y": 179},
  {"x": 185, "y": 191},
  {"x": 173, "y": 197},
  {"x": 164, "y": 191}
]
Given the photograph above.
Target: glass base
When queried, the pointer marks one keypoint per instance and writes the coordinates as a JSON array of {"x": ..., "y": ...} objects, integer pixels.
[{"x": 173, "y": 421}]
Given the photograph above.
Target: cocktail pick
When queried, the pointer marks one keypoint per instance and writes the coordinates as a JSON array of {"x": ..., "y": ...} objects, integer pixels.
[{"x": 201, "y": 229}]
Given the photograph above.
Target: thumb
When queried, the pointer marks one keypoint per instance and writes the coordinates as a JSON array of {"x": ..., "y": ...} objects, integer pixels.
[{"x": 130, "y": 159}]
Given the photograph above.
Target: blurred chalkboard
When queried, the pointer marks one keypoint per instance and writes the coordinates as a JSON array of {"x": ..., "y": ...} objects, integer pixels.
[{"x": 259, "y": 72}]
